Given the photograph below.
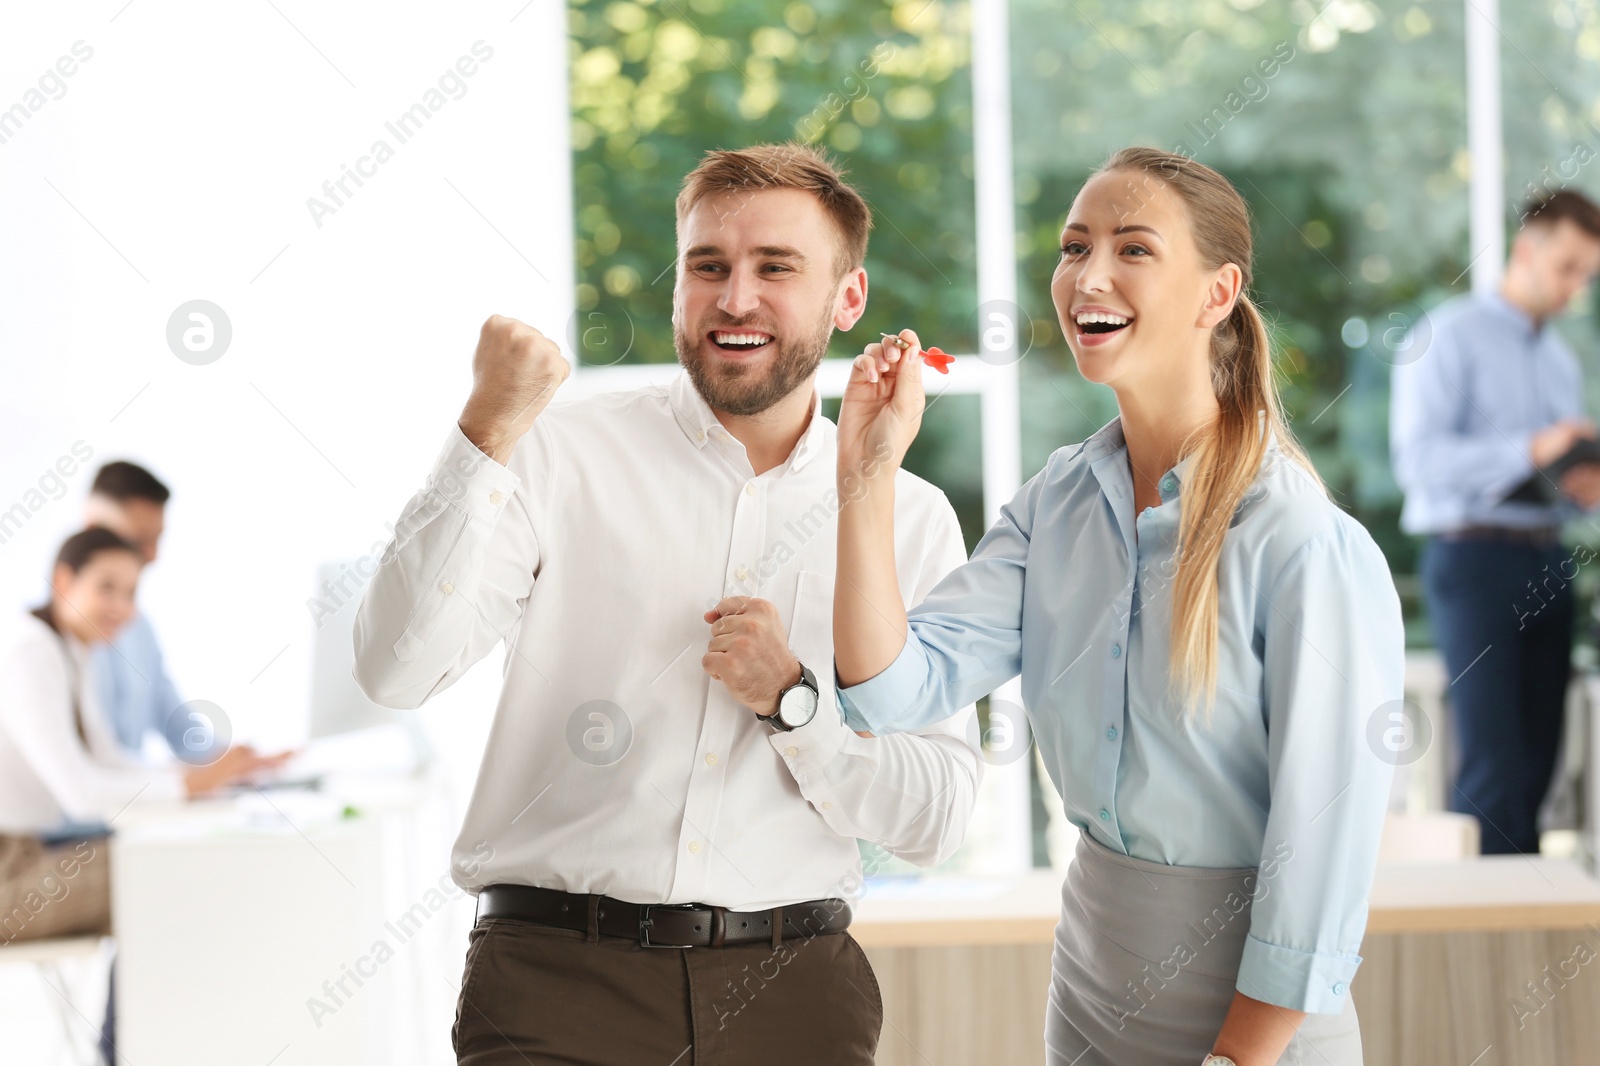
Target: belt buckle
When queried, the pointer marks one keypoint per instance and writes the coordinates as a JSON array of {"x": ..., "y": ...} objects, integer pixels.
[{"x": 645, "y": 922}]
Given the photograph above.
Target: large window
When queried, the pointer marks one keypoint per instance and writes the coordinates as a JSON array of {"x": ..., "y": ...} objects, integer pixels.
[
  {"x": 1346, "y": 133},
  {"x": 1343, "y": 122}
]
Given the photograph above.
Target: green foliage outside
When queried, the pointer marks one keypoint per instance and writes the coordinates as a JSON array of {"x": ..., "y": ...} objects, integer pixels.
[{"x": 1352, "y": 154}]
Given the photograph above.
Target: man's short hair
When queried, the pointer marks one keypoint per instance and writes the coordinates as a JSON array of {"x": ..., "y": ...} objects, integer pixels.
[
  {"x": 122, "y": 481},
  {"x": 1551, "y": 208},
  {"x": 785, "y": 166}
]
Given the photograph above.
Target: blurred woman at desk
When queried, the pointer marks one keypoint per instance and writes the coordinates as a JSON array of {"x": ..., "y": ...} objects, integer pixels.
[{"x": 61, "y": 771}]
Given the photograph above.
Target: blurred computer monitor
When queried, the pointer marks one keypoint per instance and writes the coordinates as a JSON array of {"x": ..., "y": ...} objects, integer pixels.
[{"x": 337, "y": 703}]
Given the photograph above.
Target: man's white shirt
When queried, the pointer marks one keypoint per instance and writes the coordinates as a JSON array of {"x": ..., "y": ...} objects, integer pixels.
[{"x": 615, "y": 765}]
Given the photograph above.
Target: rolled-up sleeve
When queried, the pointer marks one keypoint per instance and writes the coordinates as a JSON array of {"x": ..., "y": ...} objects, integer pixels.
[
  {"x": 1335, "y": 670},
  {"x": 963, "y": 640}
]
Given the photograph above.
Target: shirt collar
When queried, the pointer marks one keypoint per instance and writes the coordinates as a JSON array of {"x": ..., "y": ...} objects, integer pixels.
[
  {"x": 1109, "y": 440},
  {"x": 699, "y": 422},
  {"x": 1496, "y": 302}
]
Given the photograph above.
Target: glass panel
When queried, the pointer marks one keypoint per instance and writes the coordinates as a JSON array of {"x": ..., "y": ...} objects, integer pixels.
[{"x": 1343, "y": 126}]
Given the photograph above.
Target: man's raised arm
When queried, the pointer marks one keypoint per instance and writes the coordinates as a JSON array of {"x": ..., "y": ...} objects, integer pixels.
[{"x": 454, "y": 579}]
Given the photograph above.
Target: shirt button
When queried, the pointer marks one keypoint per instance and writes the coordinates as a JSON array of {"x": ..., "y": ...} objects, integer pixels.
[
  {"x": 700, "y": 435},
  {"x": 1116, "y": 651},
  {"x": 791, "y": 751},
  {"x": 742, "y": 573},
  {"x": 827, "y": 806},
  {"x": 750, "y": 488},
  {"x": 1111, "y": 734},
  {"x": 1338, "y": 988},
  {"x": 1105, "y": 815},
  {"x": 446, "y": 588},
  {"x": 711, "y": 758},
  {"x": 694, "y": 846},
  {"x": 1169, "y": 483},
  {"x": 496, "y": 496}
]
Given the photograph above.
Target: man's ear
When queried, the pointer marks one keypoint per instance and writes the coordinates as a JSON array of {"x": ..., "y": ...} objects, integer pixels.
[
  {"x": 852, "y": 300},
  {"x": 677, "y": 290},
  {"x": 1221, "y": 295}
]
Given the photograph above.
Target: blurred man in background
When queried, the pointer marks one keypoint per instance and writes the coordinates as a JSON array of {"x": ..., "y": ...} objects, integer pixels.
[
  {"x": 1485, "y": 399},
  {"x": 135, "y": 690}
]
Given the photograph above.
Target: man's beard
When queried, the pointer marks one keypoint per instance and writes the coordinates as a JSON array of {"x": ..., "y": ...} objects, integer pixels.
[{"x": 736, "y": 388}]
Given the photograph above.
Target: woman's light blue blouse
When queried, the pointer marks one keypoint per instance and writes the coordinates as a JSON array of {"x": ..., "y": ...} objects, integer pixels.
[{"x": 1074, "y": 591}]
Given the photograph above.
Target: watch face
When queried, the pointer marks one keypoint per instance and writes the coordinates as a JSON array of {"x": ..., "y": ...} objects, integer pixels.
[{"x": 798, "y": 706}]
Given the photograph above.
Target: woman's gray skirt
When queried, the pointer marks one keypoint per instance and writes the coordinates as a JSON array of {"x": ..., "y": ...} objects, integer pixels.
[{"x": 1145, "y": 962}]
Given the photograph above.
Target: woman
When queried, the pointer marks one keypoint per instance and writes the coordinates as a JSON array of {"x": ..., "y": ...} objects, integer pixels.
[
  {"x": 59, "y": 761},
  {"x": 1203, "y": 639}
]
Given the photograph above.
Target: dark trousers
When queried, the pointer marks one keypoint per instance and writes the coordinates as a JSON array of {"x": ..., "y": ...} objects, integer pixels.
[
  {"x": 1502, "y": 616},
  {"x": 536, "y": 995}
]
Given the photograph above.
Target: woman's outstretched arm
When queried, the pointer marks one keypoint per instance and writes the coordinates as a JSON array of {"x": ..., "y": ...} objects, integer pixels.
[{"x": 878, "y": 419}]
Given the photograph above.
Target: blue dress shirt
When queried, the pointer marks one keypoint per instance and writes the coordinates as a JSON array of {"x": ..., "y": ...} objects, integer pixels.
[
  {"x": 1462, "y": 413},
  {"x": 1073, "y": 591},
  {"x": 134, "y": 687}
]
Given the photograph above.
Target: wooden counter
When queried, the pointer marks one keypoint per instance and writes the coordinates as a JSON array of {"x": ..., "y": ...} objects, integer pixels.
[{"x": 964, "y": 964}]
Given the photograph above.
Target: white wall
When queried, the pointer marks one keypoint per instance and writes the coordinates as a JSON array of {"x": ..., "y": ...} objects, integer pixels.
[{"x": 190, "y": 142}]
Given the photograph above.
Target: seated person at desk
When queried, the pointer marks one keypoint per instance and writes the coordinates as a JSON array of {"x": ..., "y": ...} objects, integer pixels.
[
  {"x": 137, "y": 695},
  {"x": 58, "y": 758}
]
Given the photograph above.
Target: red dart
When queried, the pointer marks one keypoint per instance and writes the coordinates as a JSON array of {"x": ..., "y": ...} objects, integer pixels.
[{"x": 932, "y": 356}]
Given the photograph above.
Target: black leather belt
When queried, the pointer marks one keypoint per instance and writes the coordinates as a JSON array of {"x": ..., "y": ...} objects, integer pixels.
[
  {"x": 662, "y": 925},
  {"x": 1541, "y": 537}
]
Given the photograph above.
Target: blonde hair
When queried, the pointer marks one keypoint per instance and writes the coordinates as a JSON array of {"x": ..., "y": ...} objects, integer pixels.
[{"x": 1226, "y": 455}]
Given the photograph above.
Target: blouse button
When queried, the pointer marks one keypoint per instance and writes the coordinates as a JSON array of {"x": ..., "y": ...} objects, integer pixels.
[
  {"x": 1169, "y": 483},
  {"x": 1116, "y": 651},
  {"x": 1111, "y": 734},
  {"x": 496, "y": 496},
  {"x": 1105, "y": 815},
  {"x": 742, "y": 573},
  {"x": 446, "y": 588},
  {"x": 711, "y": 758},
  {"x": 1338, "y": 988},
  {"x": 750, "y": 488}
]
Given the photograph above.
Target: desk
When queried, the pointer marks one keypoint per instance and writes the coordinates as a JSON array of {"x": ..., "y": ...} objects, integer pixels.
[
  {"x": 1448, "y": 949},
  {"x": 238, "y": 921}
]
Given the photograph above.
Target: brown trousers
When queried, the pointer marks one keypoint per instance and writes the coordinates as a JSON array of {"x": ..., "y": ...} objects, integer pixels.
[
  {"x": 60, "y": 890},
  {"x": 536, "y": 995}
]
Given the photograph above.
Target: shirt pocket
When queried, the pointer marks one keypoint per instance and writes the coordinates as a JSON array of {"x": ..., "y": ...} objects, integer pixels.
[
  {"x": 811, "y": 628},
  {"x": 1241, "y": 706}
]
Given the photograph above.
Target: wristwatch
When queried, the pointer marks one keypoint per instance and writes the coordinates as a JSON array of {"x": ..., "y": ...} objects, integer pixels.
[
  {"x": 1217, "y": 1060},
  {"x": 797, "y": 704}
]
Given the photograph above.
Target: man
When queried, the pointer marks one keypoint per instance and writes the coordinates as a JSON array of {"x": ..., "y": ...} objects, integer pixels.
[
  {"x": 1492, "y": 400},
  {"x": 135, "y": 690},
  {"x": 667, "y": 765}
]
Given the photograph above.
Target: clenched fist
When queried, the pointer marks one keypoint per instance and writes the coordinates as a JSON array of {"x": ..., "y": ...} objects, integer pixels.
[
  {"x": 749, "y": 652},
  {"x": 515, "y": 373}
]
